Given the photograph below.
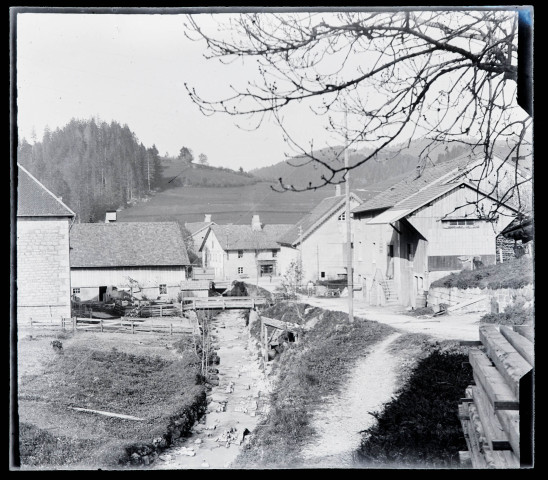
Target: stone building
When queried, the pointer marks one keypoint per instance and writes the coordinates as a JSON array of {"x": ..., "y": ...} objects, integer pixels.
[{"x": 43, "y": 268}]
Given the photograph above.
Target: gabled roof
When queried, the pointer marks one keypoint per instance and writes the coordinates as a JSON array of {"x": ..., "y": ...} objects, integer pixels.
[
  {"x": 35, "y": 200},
  {"x": 440, "y": 172},
  {"x": 309, "y": 223},
  {"x": 195, "y": 227},
  {"x": 127, "y": 244},
  {"x": 243, "y": 237}
]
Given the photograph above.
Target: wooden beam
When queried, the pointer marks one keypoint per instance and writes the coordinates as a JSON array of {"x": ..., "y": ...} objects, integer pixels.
[
  {"x": 466, "y": 303},
  {"x": 528, "y": 331},
  {"x": 522, "y": 345},
  {"x": 470, "y": 343},
  {"x": 108, "y": 414},
  {"x": 494, "y": 432},
  {"x": 499, "y": 393},
  {"x": 509, "y": 362}
]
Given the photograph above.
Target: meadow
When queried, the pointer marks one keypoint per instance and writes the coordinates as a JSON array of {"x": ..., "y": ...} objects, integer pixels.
[{"x": 226, "y": 204}]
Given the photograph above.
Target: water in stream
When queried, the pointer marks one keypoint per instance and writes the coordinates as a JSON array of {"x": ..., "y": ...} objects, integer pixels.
[{"x": 236, "y": 405}]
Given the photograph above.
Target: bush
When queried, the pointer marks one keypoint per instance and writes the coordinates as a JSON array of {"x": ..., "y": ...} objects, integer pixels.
[{"x": 514, "y": 314}]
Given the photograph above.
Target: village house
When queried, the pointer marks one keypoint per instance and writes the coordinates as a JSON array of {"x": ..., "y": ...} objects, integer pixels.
[
  {"x": 198, "y": 231},
  {"x": 146, "y": 259},
  {"x": 319, "y": 240},
  {"x": 242, "y": 251},
  {"x": 424, "y": 227},
  {"x": 43, "y": 269}
]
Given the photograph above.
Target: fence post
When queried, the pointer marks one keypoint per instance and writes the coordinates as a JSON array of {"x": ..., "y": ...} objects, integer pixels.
[
  {"x": 132, "y": 327},
  {"x": 160, "y": 311},
  {"x": 171, "y": 328},
  {"x": 30, "y": 322},
  {"x": 74, "y": 324},
  {"x": 101, "y": 323}
]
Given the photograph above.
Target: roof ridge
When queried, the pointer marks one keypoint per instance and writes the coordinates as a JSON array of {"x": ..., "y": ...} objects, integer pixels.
[{"x": 41, "y": 185}]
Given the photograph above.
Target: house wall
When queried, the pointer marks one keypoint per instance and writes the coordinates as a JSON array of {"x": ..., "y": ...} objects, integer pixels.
[
  {"x": 437, "y": 250},
  {"x": 43, "y": 269},
  {"x": 322, "y": 251},
  {"x": 88, "y": 280},
  {"x": 226, "y": 264},
  {"x": 453, "y": 248}
]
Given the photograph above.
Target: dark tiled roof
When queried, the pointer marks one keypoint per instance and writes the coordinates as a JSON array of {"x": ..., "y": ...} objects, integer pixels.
[
  {"x": 127, "y": 244},
  {"x": 310, "y": 222},
  {"x": 242, "y": 237},
  {"x": 411, "y": 184},
  {"x": 195, "y": 227},
  {"x": 35, "y": 200}
]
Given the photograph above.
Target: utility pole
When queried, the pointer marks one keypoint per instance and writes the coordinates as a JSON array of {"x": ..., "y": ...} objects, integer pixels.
[{"x": 349, "y": 270}]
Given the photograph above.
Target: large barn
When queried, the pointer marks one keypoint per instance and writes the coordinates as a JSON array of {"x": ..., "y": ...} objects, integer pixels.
[
  {"x": 147, "y": 259},
  {"x": 43, "y": 270}
]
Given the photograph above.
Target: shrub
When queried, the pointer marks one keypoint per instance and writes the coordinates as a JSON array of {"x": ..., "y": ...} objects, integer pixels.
[{"x": 514, "y": 314}]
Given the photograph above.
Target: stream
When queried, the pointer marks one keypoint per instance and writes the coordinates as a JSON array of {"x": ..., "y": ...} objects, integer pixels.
[{"x": 236, "y": 406}]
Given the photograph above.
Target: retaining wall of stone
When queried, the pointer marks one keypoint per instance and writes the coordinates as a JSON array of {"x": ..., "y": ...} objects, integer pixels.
[{"x": 488, "y": 300}]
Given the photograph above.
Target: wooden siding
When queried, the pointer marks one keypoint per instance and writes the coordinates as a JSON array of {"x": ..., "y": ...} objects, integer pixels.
[{"x": 455, "y": 262}]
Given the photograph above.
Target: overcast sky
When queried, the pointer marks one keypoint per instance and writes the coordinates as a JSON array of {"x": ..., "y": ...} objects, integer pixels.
[{"x": 132, "y": 69}]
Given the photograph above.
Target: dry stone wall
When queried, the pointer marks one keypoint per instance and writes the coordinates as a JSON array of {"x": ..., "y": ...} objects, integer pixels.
[{"x": 488, "y": 300}]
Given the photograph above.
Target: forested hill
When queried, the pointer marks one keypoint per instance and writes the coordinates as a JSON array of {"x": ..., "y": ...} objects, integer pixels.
[
  {"x": 93, "y": 166},
  {"x": 299, "y": 171}
]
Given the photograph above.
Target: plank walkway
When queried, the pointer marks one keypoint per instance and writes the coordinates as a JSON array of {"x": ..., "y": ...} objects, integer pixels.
[{"x": 495, "y": 412}]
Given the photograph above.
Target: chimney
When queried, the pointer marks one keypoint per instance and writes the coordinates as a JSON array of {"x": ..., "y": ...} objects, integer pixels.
[
  {"x": 207, "y": 217},
  {"x": 256, "y": 224},
  {"x": 338, "y": 190},
  {"x": 110, "y": 216}
]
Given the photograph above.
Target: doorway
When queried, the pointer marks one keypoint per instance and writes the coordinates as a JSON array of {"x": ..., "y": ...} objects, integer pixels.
[
  {"x": 390, "y": 261},
  {"x": 102, "y": 291}
]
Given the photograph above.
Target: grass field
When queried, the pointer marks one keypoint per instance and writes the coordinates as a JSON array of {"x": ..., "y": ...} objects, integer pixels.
[
  {"x": 149, "y": 376},
  {"x": 225, "y": 204}
]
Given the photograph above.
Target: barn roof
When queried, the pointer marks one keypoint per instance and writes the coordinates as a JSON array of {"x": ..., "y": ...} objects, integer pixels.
[
  {"x": 35, "y": 200},
  {"x": 310, "y": 222},
  {"x": 413, "y": 183},
  {"x": 127, "y": 244},
  {"x": 243, "y": 237}
]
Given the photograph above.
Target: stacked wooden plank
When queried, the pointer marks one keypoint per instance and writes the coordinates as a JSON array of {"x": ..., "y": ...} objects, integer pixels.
[{"x": 490, "y": 411}]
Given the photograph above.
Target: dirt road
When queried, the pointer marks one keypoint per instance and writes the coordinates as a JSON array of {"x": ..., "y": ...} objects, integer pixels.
[
  {"x": 446, "y": 327},
  {"x": 237, "y": 403},
  {"x": 338, "y": 423}
]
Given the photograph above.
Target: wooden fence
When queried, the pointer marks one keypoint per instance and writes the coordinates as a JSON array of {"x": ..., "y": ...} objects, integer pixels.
[
  {"x": 122, "y": 325},
  {"x": 495, "y": 414}
]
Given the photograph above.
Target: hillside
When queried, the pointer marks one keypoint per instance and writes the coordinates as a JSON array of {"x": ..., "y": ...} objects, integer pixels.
[
  {"x": 395, "y": 162},
  {"x": 175, "y": 173}
]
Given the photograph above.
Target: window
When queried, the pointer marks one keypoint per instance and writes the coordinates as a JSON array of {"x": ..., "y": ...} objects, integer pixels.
[
  {"x": 461, "y": 223},
  {"x": 75, "y": 291},
  {"x": 274, "y": 253},
  {"x": 163, "y": 289},
  {"x": 240, "y": 270},
  {"x": 322, "y": 274},
  {"x": 410, "y": 252},
  {"x": 342, "y": 216},
  {"x": 240, "y": 253}
]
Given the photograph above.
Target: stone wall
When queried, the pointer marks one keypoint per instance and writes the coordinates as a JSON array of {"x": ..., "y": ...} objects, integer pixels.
[
  {"x": 43, "y": 270},
  {"x": 490, "y": 301}
]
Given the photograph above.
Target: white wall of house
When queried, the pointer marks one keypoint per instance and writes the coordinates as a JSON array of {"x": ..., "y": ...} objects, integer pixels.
[
  {"x": 87, "y": 281},
  {"x": 213, "y": 255},
  {"x": 443, "y": 243},
  {"x": 43, "y": 269},
  {"x": 323, "y": 251}
]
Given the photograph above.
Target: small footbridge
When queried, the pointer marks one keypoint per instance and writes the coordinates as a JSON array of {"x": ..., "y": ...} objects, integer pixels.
[{"x": 222, "y": 303}]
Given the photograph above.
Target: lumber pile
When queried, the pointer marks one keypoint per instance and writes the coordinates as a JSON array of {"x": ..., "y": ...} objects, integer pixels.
[{"x": 494, "y": 411}]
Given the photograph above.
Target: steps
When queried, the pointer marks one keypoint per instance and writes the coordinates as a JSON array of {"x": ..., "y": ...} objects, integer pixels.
[
  {"x": 389, "y": 292},
  {"x": 420, "y": 300}
]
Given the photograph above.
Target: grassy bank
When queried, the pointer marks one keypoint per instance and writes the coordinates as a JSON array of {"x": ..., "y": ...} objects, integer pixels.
[
  {"x": 515, "y": 273},
  {"x": 148, "y": 376},
  {"x": 306, "y": 372}
]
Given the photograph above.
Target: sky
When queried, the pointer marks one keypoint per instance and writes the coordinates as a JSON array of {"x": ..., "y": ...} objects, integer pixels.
[{"x": 131, "y": 68}]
